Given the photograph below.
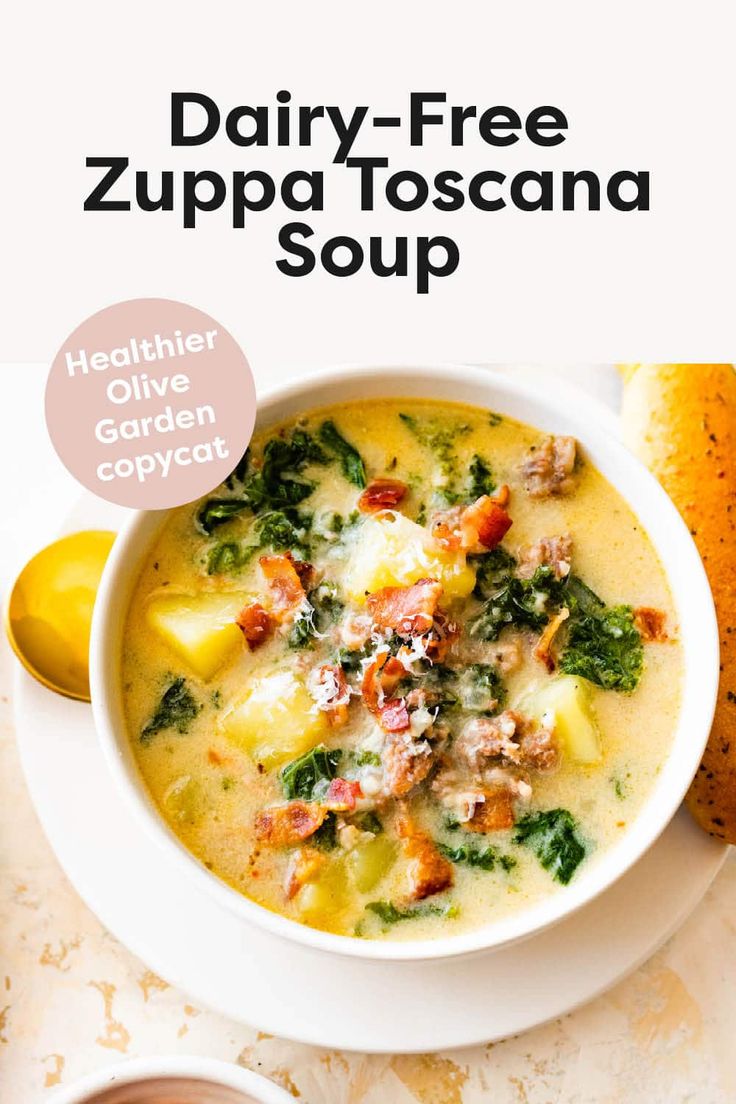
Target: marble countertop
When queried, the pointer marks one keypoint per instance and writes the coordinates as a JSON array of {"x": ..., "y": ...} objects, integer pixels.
[{"x": 73, "y": 999}]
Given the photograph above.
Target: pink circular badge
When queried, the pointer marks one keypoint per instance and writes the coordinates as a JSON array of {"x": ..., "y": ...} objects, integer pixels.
[{"x": 150, "y": 403}]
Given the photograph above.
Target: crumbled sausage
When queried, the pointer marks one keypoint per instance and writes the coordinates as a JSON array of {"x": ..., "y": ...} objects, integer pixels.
[
  {"x": 406, "y": 763},
  {"x": 554, "y": 552},
  {"x": 548, "y": 468}
]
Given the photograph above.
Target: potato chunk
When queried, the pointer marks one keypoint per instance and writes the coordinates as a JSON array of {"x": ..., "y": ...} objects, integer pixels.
[
  {"x": 275, "y": 720},
  {"x": 200, "y": 628},
  {"x": 563, "y": 704},
  {"x": 392, "y": 550}
]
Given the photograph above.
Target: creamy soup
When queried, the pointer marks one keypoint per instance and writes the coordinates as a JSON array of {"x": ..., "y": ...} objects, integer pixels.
[{"x": 412, "y": 668}]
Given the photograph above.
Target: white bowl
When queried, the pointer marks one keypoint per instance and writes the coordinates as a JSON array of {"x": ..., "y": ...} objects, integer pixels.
[
  {"x": 560, "y": 410},
  {"x": 238, "y": 1086}
]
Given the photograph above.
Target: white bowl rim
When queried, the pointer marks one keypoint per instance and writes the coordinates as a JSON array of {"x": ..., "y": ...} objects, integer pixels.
[
  {"x": 134, "y": 1070},
  {"x": 693, "y": 603}
]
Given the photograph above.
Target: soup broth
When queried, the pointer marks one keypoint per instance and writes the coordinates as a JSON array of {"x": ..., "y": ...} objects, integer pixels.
[{"x": 412, "y": 668}]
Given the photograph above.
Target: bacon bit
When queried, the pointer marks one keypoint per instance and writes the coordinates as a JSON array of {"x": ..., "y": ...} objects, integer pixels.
[
  {"x": 285, "y": 825},
  {"x": 542, "y": 652},
  {"x": 394, "y": 716},
  {"x": 381, "y": 678},
  {"x": 408, "y": 611},
  {"x": 304, "y": 570},
  {"x": 381, "y": 494},
  {"x": 429, "y": 871},
  {"x": 486, "y": 521},
  {"x": 256, "y": 624},
  {"x": 650, "y": 624},
  {"x": 494, "y": 814},
  {"x": 304, "y": 864},
  {"x": 441, "y": 639},
  {"x": 502, "y": 495},
  {"x": 342, "y": 795},
  {"x": 283, "y": 578}
]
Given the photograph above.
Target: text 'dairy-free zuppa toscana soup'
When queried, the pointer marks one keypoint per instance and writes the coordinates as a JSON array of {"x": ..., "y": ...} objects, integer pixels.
[{"x": 411, "y": 668}]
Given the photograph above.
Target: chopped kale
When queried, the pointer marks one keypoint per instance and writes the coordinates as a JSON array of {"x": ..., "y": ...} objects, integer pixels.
[
  {"x": 485, "y": 858},
  {"x": 481, "y": 478},
  {"x": 494, "y": 419},
  {"x": 350, "y": 459},
  {"x": 440, "y": 439},
  {"x": 177, "y": 709},
  {"x": 269, "y": 488},
  {"x": 237, "y": 475},
  {"x": 216, "y": 511},
  {"x": 524, "y": 603},
  {"x": 323, "y": 607},
  {"x": 580, "y": 599},
  {"x": 309, "y": 776},
  {"x": 229, "y": 557},
  {"x": 552, "y": 836},
  {"x": 469, "y": 854},
  {"x": 228, "y": 783},
  {"x": 492, "y": 570},
  {"x": 603, "y": 644},
  {"x": 392, "y": 914},
  {"x": 326, "y": 835},
  {"x": 284, "y": 530},
  {"x": 481, "y": 688}
]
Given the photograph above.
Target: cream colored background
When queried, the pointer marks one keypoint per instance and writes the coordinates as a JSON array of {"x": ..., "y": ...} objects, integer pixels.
[
  {"x": 73, "y": 999},
  {"x": 644, "y": 85}
]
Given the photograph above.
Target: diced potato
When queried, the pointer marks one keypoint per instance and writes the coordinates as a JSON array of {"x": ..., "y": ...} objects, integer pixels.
[
  {"x": 369, "y": 862},
  {"x": 322, "y": 902},
  {"x": 275, "y": 720},
  {"x": 183, "y": 800},
  {"x": 395, "y": 551},
  {"x": 564, "y": 704},
  {"x": 200, "y": 628}
]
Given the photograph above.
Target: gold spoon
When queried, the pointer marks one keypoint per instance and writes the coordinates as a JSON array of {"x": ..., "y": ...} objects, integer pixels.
[{"x": 48, "y": 615}]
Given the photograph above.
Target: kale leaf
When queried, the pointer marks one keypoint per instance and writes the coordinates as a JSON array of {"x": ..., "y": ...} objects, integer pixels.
[
  {"x": 481, "y": 688},
  {"x": 326, "y": 835},
  {"x": 524, "y": 603},
  {"x": 603, "y": 644},
  {"x": 351, "y": 462},
  {"x": 272, "y": 487},
  {"x": 216, "y": 511},
  {"x": 484, "y": 858},
  {"x": 493, "y": 570},
  {"x": 552, "y": 836},
  {"x": 309, "y": 776},
  {"x": 177, "y": 709},
  {"x": 391, "y": 914},
  {"x": 440, "y": 439},
  {"x": 605, "y": 649},
  {"x": 228, "y": 557},
  {"x": 481, "y": 478}
]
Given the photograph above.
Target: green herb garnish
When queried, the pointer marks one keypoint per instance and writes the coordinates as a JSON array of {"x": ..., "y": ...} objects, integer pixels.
[
  {"x": 552, "y": 836},
  {"x": 309, "y": 776},
  {"x": 177, "y": 709},
  {"x": 350, "y": 459}
]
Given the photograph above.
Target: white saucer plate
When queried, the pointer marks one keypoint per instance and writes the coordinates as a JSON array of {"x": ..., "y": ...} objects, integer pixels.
[{"x": 292, "y": 991}]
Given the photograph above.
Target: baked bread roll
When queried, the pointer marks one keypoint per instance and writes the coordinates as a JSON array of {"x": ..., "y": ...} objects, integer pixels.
[{"x": 680, "y": 419}]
